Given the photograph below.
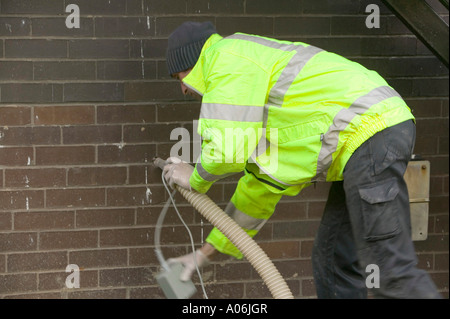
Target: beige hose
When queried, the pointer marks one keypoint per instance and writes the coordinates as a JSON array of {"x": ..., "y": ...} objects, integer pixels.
[{"x": 248, "y": 247}]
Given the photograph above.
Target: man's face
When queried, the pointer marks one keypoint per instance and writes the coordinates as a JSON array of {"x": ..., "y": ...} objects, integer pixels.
[{"x": 184, "y": 89}]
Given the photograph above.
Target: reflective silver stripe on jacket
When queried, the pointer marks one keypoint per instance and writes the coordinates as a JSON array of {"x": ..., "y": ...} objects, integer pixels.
[
  {"x": 208, "y": 176},
  {"x": 341, "y": 120},
  {"x": 193, "y": 89},
  {"x": 290, "y": 71},
  {"x": 241, "y": 113},
  {"x": 285, "y": 80},
  {"x": 244, "y": 220},
  {"x": 264, "y": 41}
]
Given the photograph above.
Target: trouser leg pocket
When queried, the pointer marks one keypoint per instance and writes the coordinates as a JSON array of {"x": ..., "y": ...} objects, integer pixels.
[{"x": 380, "y": 209}]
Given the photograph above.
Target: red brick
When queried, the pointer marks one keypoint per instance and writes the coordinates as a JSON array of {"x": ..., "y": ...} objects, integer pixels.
[
  {"x": 316, "y": 209},
  {"x": 36, "y": 295},
  {"x": 308, "y": 288},
  {"x": 441, "y": 280},
  {"x": 16, "y": 156},
  {"x": 35, "y": 178},
  {"x": 138, "y": 276},
  {"x": 256, "y": 290},
  {"x": 65, "y": 155},
  {"x": 315, "y": 192},
  {"x": 132, "y": 196},
  {"x": 35, "y": 48},
  {"x": 102, "y": 7},
  {"x": 5, "y": 222},
  {"x": 146, "y": 293},
  {"x": 144, "y": 174},
  {"x": 289, "y": 211},
  {"x": 13, "y": 283},
  {"x": 41, "y": 261},
  {"x": 294, "y": 268},
  {"x": 92, "y": 134},
  {"x": 123, "y": 27},
  {"x": 223, "y": 291},
  {"x": 89, "y": 197},
  {"x": 148, "y": 133},
  {"x": 178, "y": 112},
  {"x": 98, "y": 48},
  {"x": 257, "y": 25},
  {"x": 30, "y": 135},
  {"x": 149, "y": 215},
  {"x": 57, "y": 280},
  {"x": 2, "y": 263},
  {"x": 44, "y": 220},
  {"x": 147, "y": 256},
  {"x": 441, "y": 261},
  {"x": 438, "y": 204},
  {"x": 24, "y": 199},
  {"x": 32, "y": 7},
  {"x": 15, "y": 26},
  {"x": 281, "y": 249},
  {"x": 68, "y": 240},
  {"x": 149, "y": 48},
  {"x": 151, "y": 91},
  {"x": 95, "y": 176},
  {"x": 270, "y": 7},
  {"x": 87, "y": 218},
  {"x": 120, "y": 293},
  {"x": 64, "y": 115},
  {"x": 126, "y": 237},
  {"x": 108, "y": 114},
  {"x": 298, "y": 229},
  {"x": 18, "y": 242},
  {"x": 93, "y": 92},
  {"x": 233, "y": 271},
  {"x": 432, "y": 126},
  {"x": 122, "y": 153},
  {"x": 15, "y": 115},
  {"x": 73, "y": 70},
  {"x": 441, "y": 226},
  {"x": 306, "y": 248},
  {"x": 433, "y": 243},
  {"x": 99, "y": 258},
  {"x": 179, "y": 234}
]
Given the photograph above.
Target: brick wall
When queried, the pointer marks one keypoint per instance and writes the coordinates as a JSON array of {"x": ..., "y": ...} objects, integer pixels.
[{"x": 83, "y": 112}]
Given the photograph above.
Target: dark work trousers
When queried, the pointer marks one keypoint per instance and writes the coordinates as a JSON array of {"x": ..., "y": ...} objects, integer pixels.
[{"x": 366, "y": 222}]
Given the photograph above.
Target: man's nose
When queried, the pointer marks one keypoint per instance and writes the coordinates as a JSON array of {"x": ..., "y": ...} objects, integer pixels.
[{"x": 184, "y": 89}]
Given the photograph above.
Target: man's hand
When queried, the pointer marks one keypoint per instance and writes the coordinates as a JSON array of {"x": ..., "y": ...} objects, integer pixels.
[
  {"x": 203, "y": 256},
  {"x": 189, "y": 263},
  {"x": 178, "y": 172}
]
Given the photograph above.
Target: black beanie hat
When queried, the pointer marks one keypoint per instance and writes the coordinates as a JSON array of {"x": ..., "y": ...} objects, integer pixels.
[{"x": 186, "y": 43}]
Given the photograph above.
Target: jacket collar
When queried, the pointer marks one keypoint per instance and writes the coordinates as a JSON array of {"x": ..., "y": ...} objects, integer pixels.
[{"x": 195, "y": 79}]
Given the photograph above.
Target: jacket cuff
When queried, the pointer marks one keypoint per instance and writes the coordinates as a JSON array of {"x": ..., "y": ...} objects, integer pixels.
[
  {"x": 223, "y": 244},
  {"x": 198, "y": 183}
]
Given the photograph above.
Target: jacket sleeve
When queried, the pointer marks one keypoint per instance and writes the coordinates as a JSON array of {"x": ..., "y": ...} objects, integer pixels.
[
  {"x": 251, "y": 205},
  {"x": 231, "y": 117}
]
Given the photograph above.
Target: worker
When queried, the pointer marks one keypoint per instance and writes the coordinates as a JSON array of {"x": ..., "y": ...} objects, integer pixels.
[{"x": 287, "y": 115}]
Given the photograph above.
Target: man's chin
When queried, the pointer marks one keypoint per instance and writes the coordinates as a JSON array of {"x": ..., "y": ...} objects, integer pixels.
[{"x": 196, "y": 96}]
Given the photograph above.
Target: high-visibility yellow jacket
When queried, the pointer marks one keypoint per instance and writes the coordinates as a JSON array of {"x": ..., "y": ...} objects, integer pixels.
[{"x": 287, "y": 114}]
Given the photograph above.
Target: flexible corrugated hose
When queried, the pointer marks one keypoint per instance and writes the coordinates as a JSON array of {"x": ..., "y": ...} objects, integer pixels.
[{"x": 248, "y": 247}]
